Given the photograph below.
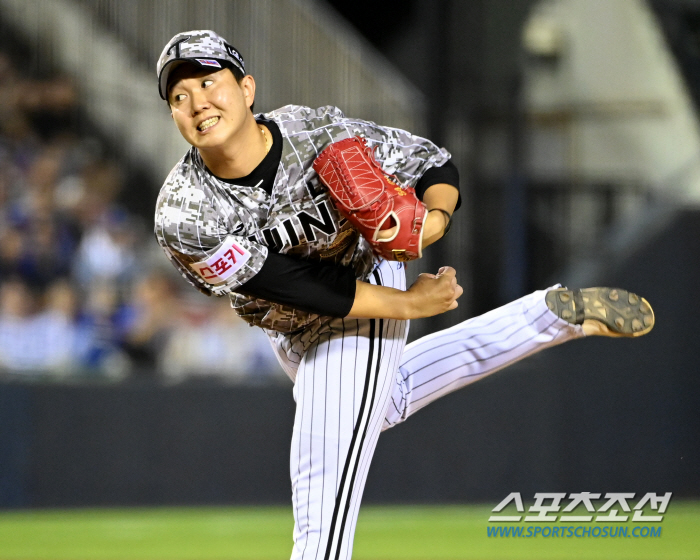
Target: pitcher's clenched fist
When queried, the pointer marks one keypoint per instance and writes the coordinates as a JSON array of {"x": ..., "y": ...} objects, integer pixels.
[{"x": 435, "y": 293}]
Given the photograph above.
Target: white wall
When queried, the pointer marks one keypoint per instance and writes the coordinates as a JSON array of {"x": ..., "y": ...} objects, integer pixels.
[{"x": 614, "y": 106}]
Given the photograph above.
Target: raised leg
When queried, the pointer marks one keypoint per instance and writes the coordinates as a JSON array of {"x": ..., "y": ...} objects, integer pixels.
[{"x": 443, "y": 362}]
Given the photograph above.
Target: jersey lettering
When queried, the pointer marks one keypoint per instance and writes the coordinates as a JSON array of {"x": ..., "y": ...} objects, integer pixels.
[
  {"x": 293, "y": 237},
  {"x": 223, "y": 264},
  {"x": 315, "y": 190},
  {"x": 303, "y": 224},
  {"x": 272, "y": 238},
  {"x": 308, "y": 222}
]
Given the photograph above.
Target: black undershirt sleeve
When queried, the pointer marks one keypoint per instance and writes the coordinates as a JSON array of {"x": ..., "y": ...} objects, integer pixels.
[
  {"x": 447, "y": 173},
  {"x": 326, "y": 289}
]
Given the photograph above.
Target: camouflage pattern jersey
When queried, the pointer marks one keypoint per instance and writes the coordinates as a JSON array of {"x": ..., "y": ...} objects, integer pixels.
[{"x": 218, "y": 234}]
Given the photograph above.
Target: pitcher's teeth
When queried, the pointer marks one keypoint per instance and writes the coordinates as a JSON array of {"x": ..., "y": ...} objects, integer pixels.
[{"x": 209, "y": 122}]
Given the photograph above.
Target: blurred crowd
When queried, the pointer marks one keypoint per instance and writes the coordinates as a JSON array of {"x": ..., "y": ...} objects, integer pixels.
[{"x": 85, "y": 291}]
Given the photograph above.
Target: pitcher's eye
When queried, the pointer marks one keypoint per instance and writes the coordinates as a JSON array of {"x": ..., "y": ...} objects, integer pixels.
[
  {"x": 207, "y": 83},
  {"x": 179, "y": 97}
]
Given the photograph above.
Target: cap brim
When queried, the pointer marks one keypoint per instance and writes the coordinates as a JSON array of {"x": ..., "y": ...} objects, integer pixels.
[
  {"x": 173, "y": 64},
  {"x": 170, "y": 67},
  {"x": 165, "y": 74}
]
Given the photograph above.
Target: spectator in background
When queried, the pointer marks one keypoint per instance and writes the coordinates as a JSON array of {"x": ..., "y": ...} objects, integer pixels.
[
  {"x": 50, "y": 237},
  {"x": 154, "y": 312},
  {"x": 209, "y": 341},
  {"x": 33, "y": 341},
  {"x": 102, "y": 327},
  {"x": 11, "y": 251},
  {"x": 16, "y": 352},
  {"x": 56, "y": 330},
  {"x": 107, "y": 249}
]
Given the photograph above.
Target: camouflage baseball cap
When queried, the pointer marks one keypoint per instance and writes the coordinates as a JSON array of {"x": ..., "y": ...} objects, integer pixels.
[{"x": 202, "y": 47}]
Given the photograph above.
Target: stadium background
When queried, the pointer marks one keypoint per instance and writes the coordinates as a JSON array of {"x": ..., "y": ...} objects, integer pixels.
[{"x": 574, "y": 125}]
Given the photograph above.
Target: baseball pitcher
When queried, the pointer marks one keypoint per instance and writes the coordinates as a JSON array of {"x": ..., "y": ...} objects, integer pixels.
[{"x": 303, "y": 218}]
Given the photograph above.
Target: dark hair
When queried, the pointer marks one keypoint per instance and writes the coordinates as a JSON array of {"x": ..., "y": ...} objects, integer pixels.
[
  {"x": 237, "y": 74},
  {"x": 234, "y": 70}
]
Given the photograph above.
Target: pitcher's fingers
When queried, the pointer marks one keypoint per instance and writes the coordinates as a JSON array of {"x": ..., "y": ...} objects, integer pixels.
[{"x": 447, "y": 271}]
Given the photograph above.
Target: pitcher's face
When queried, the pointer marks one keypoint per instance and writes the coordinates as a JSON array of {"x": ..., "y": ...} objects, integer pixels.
[{"x": 209, "y": 108}]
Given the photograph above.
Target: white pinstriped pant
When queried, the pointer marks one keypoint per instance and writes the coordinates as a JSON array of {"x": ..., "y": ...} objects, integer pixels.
[{"x": 360, "y": 379}]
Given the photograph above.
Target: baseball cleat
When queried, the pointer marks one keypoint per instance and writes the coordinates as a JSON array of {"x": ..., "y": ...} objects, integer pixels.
[{"x": 603, "y": 311}]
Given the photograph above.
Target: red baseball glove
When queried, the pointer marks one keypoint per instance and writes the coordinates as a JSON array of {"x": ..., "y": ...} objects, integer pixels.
[{"x": 372, "y": 200}]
